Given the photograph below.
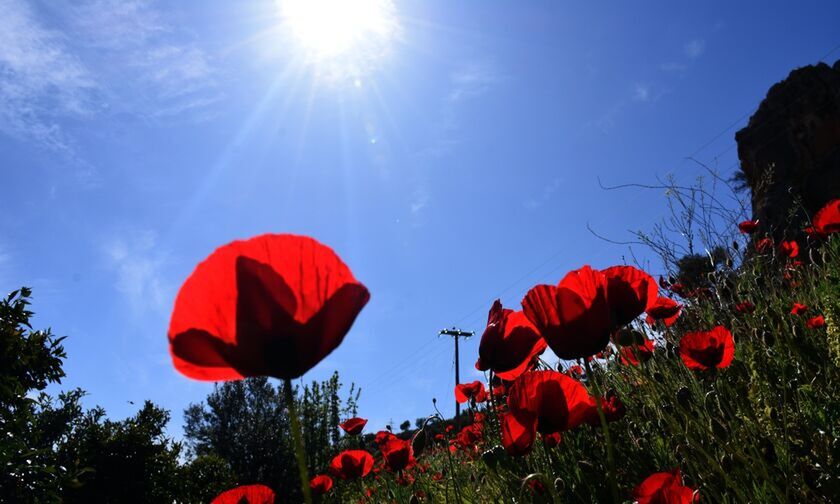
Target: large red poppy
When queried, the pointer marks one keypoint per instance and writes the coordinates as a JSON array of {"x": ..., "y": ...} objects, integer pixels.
[
  {"x": 708, "y": 349},
  {"x": 630, "y": 291},
  {"x": 351, "y": 464},
  {"x": 353, "y": 426},
  {"x": 247, "y": 494},
  {"x": 664, "y": 488},
  {"x": 473, "y": 390},
  {"x": 398, "y": 453},
  {"x": 509, "y": 343},
  {"x": 556, "y": 401},
  {"x": 274, "y": 305},
  {"x": 574, "y": 316},
  {"x": 321, "y": 484},
  {"x": 827, "y": 220},
  {"x": 518, "y": 437}
]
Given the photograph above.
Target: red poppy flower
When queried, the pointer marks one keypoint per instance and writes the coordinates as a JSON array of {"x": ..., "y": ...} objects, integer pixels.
[
  {"x": 664, "y": 308},
  {"x": 398, "y": 453},
  {"x": 551, "y": 440},
  {"x": 764, "y": 245},
  {"x": 321, "y": 484},
  {"x": 247, "y": 494},
  {"x": 382, "y": 436},
  {"x": 274, "y": 305},
  {"x": 518, "y": 437},
  {"x": 789, "y": 248},
  {"x": 748, "y": 226},
  {"x": 827, "y": 220},
  {"x": 812, "y": 232},
  {"x": 440, "y": 437},
  {"x": 745, "y": 307},
  {"x": 466, "y": 391},
  {"x": 437, "y": 476},
  {"x": 575, "y": 372},
  {"x": 450, "y": 428},
  {"x": 798, "y": 309},
  {"x": 664, "y": 488},
  {"x": 633, "y": 354},
  {"x": 815, "y": 322},
  {"x": 353, "y": 426},
  {"x": 351, "y": 464},
  {"x": 469, "y": 436},
  {"x": 677, "y": 288},
  {"x": 630, "y": 291},
  {"x": 613, "y": 408},
  {"x": 509, "y": 343},
  {"x": 574, "y": 316},
  {"x": 708, "y": 349},
  {"x": 556, "y": 401}
]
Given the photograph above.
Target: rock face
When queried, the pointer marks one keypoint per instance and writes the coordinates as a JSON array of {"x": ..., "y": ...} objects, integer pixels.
[{"x": 790, "y": 150}]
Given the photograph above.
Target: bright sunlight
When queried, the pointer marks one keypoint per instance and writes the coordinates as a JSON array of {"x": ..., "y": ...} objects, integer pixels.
[{"x": 331, "y": 28}]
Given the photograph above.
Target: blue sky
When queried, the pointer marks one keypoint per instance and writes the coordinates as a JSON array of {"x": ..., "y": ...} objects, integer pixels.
[{"x": 455, "y": 160}]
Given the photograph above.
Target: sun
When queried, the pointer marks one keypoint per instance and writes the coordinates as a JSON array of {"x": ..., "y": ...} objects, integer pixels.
[{"x": 328, "y": 29}]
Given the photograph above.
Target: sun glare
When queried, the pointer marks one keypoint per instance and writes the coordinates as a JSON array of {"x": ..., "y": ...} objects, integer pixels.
[{"x": 331, "y": 28}]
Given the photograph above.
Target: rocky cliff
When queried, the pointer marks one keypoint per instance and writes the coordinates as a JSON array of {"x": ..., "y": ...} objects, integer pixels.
[{"x": 790, "y": 149}]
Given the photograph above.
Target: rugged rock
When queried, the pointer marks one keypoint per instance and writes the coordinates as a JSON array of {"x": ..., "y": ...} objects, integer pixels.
[{"x": 790, "y": 150}]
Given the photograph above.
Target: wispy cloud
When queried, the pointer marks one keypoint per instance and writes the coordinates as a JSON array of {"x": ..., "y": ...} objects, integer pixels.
[
  {"x": 673, "y": 67},
  {"x": 471, "y": 80},
  {"x": 695, "y": 48},
  {"x": 137, "y": 265},
  {"x": 76, "y": 60},
  {"x": 544, "y": 195},
  {"x": 420, "y": 200},
  {"x": 40, "y": 79},
  {"x": 641, "y": 92},
  {"x": 467, "y": 82}
]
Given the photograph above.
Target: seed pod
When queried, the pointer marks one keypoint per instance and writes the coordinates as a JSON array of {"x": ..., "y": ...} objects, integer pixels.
[
  {"x": 413, "y": 500},
  {"x": 769, "y": 338},
  {"x": 419, "y": 441}
]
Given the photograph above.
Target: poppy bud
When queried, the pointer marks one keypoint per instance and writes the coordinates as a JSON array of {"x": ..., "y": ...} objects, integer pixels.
[
  {"x": 413, "y": 500},
  {"x": 659, "y": 377},
  {"x": 418, "y": 442},
  {"x": 735, "y": 245},
  {"x": 768, "y": 338},
  {"x": 684, "y": 397}
]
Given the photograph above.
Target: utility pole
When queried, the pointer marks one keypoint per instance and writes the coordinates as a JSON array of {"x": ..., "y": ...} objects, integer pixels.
[{"x": 456, "y": 333}]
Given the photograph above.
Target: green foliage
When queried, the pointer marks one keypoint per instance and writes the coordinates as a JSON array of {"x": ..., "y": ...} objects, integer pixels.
[
  {"x": 29, "y": 361},
  {"x": 122, "y": 461},
  {"x": 245, "y": 424},
  {"x": 205, "y": 477}
]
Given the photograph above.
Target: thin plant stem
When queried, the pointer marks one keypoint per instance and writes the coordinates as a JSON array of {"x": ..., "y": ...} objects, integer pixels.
[
  {"x": 300, "y": 451},
  {"x": 607, "y": 437}
]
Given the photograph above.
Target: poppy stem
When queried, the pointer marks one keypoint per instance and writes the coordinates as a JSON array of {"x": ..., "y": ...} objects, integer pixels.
[
  {"x": 300, "y": 451},
  {"x": 606, "y": 429}
]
